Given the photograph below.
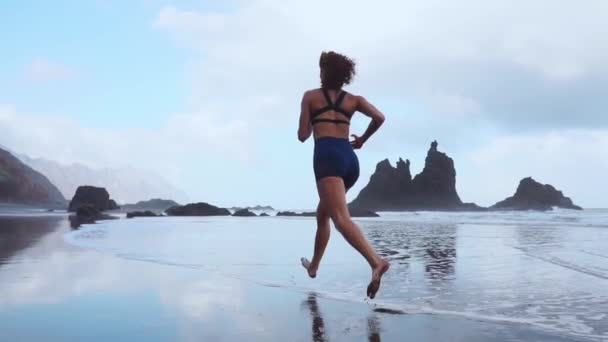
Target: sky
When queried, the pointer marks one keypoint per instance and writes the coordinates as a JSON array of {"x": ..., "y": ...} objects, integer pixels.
[{"x": 207, "y": 93}]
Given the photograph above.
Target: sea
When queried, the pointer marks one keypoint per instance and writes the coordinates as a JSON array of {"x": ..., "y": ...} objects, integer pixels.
[{"x": 545, "y": 272}]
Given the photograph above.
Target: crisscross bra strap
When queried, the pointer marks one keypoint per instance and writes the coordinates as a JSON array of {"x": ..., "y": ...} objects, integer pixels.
[{"x": 331, "y": 106}]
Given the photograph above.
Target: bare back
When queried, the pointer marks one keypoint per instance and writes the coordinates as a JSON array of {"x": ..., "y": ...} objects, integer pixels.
[
  {"x": 327, "y": 113},
  {"x": 328, "y": 129}
]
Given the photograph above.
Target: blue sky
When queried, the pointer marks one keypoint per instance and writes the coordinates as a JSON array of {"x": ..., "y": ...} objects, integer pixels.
[
  {"x": 206, "y": 93},
  {"x": 121, "y": 62}
]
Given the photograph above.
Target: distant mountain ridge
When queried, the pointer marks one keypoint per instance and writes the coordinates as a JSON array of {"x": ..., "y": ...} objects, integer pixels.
[{"x": 127, "y": 185}]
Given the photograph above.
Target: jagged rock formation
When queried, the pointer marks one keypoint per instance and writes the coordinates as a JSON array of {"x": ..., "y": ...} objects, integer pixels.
[
  {"x": 393, "y": 189},
  {"x": 98, "y": 198},
  {"x": 197, "y": 209},
  {"x": 532, "y": 195},
  {"x": 244, "y": 213},
  {"x": 20, "y": 184}
]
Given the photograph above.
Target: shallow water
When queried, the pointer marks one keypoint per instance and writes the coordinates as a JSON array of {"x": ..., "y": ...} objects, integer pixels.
[
  {"x": 549, "y": 270},
  {"x": 545, "y": 272}
]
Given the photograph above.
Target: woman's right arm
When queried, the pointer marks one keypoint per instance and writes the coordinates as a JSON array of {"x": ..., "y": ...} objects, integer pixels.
[{"x": 376, "y": 115}]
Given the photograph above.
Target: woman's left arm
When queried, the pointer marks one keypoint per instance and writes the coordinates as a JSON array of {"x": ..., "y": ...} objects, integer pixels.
[{"x": 305, "y": 129}]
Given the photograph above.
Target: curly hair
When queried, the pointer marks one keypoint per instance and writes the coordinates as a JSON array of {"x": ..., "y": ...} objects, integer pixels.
[{"x": 336, "y": 70}]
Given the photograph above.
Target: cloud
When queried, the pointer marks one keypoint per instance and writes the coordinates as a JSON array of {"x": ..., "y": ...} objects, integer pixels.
[
  {"x": 43, "y": 70},
  {"x": 571, "y": 160},
  {"x": 186, "y": 140},
  {"x": 517, "y": 64},
  {"x": 466, "y": 73}
]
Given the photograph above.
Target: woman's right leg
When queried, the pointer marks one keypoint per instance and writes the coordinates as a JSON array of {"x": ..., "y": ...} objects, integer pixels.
[{"x": 333, "y": 195}]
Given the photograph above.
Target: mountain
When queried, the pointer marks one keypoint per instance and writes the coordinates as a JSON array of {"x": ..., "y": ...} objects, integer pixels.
[
  {"x": 393, "y": 188},
  {"x": 21, "y": 184},
  {"x": 532, "y": 195},
  {"x": 127, "y": 185}
]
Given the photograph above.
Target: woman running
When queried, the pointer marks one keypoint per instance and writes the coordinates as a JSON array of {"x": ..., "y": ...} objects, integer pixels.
[{"x": 326, "y": 113}]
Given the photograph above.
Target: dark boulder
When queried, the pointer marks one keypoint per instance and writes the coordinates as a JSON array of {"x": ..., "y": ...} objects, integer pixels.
[
  {"x": 146, "y": 213},
  {"x": 244, "y": 213},
  {"x": 197, "y": 209},
  {"x": 532, "y": 195},
  {"x": 264, "y": 214},
  {"x": 92, "y": 196}
]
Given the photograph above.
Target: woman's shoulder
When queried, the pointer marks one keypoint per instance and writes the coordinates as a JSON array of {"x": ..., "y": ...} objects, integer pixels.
[
  {"x": 312, "y": 91},
  {"x": 315, "y": 91}
]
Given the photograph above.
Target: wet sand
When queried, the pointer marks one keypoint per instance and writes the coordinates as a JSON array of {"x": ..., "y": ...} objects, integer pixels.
[{"x": 51, "y": 290}]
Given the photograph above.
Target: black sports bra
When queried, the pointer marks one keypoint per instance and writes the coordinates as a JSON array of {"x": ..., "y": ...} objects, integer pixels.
[{"x": 331, "y": 106}]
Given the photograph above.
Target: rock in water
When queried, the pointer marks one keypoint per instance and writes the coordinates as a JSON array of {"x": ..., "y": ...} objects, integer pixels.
[
  {"x": 392, "y": 188},
  {"x": 244, "y": 213},
  {"x": 92, "y": 196},
  {"x": 264, "y": 214},
  {"x": 146, "y": 213},
  {"x": 113, "y": 205},
  {"x": 354, "y": 212},
  {"x": 197, "y": 209},
  {"x": 155, "y": 204},
  {"x": 20, "y": 184},
  {"x": 291, "y": 213},
  {"x": 435, "y": 186},
  {"x": 359, "y": 212},
  {"x": 532, "y": 195},
  {"x": 87, "y": 214}
]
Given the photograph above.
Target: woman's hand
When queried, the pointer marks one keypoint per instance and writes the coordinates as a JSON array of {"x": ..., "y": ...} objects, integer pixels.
[{"x": 358, "y": 141}]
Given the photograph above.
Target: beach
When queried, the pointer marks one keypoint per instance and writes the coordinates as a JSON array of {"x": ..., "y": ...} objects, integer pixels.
[{"x": 454, "y": 277}]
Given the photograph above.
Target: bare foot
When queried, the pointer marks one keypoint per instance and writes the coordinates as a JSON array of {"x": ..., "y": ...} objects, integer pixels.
[
  {"x": 311, "y": 272},
  {"x": 377, "y": 272}
]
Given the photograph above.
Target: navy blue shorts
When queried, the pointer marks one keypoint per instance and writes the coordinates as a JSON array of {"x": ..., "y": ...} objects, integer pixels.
[{"x": 334, "y": 157}]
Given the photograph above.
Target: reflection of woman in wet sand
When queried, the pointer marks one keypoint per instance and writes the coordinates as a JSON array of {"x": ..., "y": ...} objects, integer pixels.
[
  {"x": 318, "y": 325},
  {"x": 325, "y": 113}
]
